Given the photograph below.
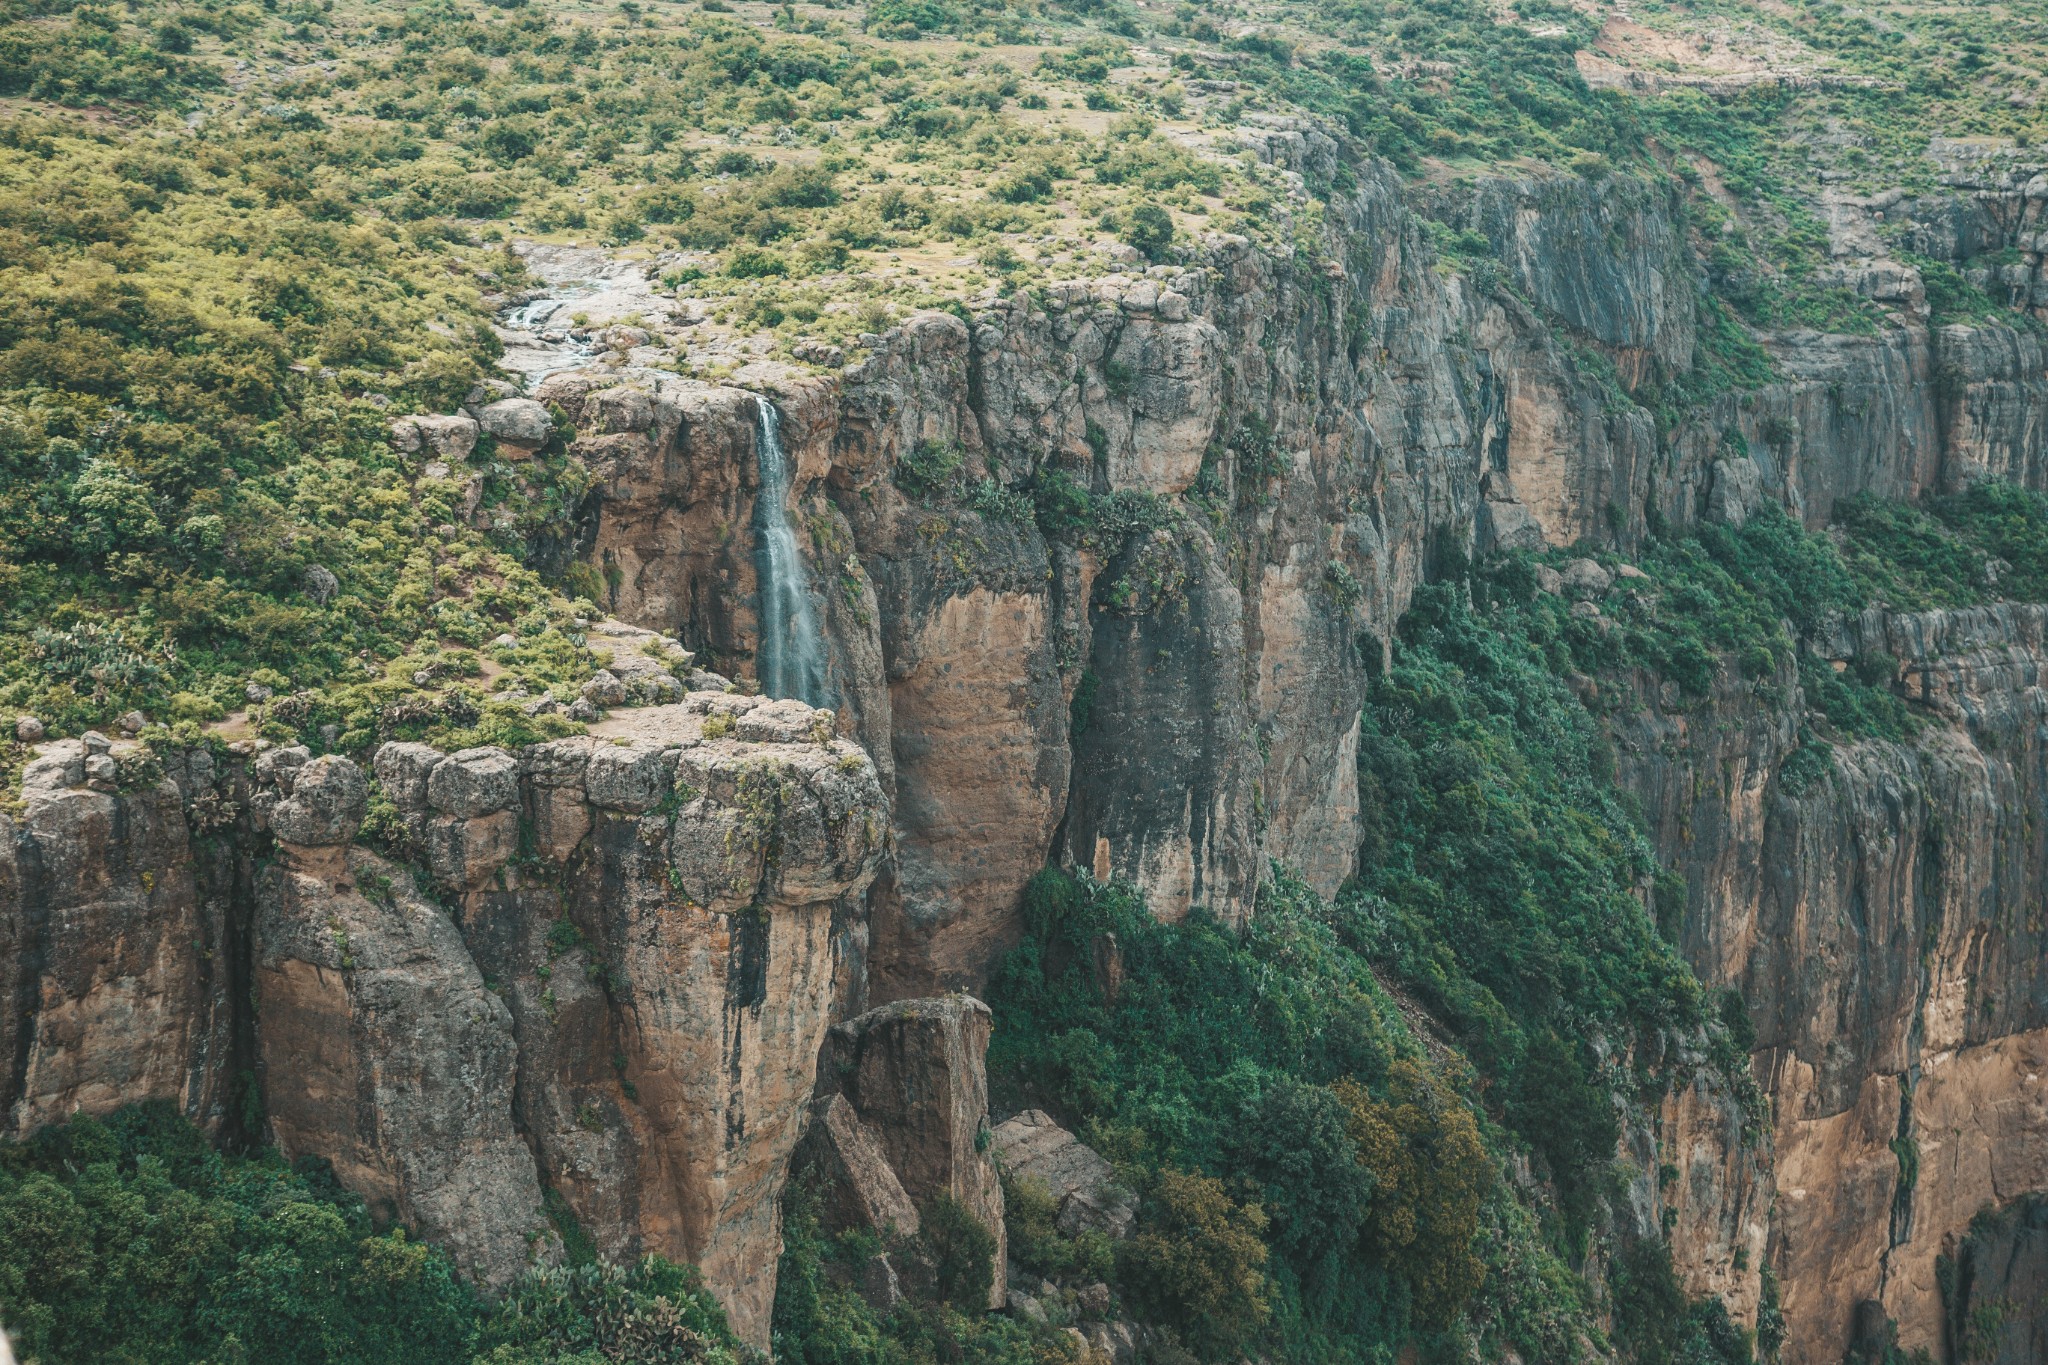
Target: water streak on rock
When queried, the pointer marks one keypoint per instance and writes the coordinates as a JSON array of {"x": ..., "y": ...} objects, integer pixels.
[{"x": 791, "y": 662}]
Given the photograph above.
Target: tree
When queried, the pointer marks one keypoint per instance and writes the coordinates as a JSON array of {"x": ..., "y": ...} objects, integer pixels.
[
  {"x": 1149, "y": 228},
  {"x": 1423, "y": 1148},
  {"x": 1199, "y": 1263},
  {"x": 1293, "y": 1138}
]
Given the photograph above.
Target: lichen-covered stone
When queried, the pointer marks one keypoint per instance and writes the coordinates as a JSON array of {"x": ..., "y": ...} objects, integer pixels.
[
  {"x": 474, "y": 782},
  {"x": 328, "y": 800}
]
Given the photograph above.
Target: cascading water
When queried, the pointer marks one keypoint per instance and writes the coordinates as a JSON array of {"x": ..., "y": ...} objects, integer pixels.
[{"x": 791, "y": 661}]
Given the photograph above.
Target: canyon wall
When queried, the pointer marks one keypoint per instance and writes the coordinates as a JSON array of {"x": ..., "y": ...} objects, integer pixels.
[
  {"x": 1173, "y": 701},
  {"x": 604, "y": 968},
  {"x": 1883, "y": 921}
]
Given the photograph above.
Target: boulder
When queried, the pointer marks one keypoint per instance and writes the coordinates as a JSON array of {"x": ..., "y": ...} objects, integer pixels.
[
  {"x": 517, "y": 421},
  {"x": 474, "y": 782},
  {"x": 327, "y": 803},
  {"x": 450, "y": 437},
  {"x": 915, "y": 1072},
  {"x": 862, "y": 1191},
  {"x": 604, "y": 689},
  {"x": 1083, "y": 1185},
  {"x": 402, "y": 771},
  {"x": 1585, "y": 578},
  {"x": 28, "y": 730},
  {"x": 629, "y": 778}
]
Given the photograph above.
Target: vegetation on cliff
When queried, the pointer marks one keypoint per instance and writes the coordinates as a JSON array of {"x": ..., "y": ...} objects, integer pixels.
[
  {"x": 131, "y": 1239},
  {"x": 237, "y": 239},
  {"x": 281, "y": 225},
  {"x": 1502, "y": 892}
]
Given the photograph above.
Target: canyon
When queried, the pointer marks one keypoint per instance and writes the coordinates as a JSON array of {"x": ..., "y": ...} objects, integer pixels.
[{"x": 614, "y": 984}]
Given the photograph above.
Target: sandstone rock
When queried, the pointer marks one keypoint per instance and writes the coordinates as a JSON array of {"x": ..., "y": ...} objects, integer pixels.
[
  {"x": 60, "y": 765},
  {"x": 465, "y": 853},
  {"x": 632, "y": 778},
  {"x": 784, "y": 722},
  {"x": 1083, "y": 1185},
  {"x": 327, "y": 803},
  {"x": 1584, "y": 578},
  {"x": 487, "y": 391},
  {"x": 862, "y": 1191},
  {"x": 1737, "y": 491},
  {"x": 382, "y": 1051},
  {"x": 403, "y": 770},
  {"x": 474, "y": 782},
  {"x": 518, "y": 422},
  {"x": 914, "y": 1072},
  {"x": 116, "y": 966},
  {"x": 617, "y": 410}
]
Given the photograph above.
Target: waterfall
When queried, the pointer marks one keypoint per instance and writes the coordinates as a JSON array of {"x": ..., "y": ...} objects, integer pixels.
[{"x": 791, "y": 661}]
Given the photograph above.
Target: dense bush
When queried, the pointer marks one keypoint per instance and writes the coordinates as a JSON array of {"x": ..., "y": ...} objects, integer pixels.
[
  {"x": 1431, "y": 1172},
  {"x": 821, "y": 1319},
  {"x": 131, "y": 1239},
  {"x": 1198, "y": 1261}
]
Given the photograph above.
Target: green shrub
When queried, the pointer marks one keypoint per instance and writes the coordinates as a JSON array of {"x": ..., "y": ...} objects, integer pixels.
[
  {"x": 1430, "y": 1174},
  {"x": 1149, "y": 228},
  {"x": 1198, "y": 1263},
  {"x": 130, "y": 1238},
  {"x": 962, "y": 1251},
  {"x": 928, "y": 469},
  {"x": 1030, "y": 1220}
]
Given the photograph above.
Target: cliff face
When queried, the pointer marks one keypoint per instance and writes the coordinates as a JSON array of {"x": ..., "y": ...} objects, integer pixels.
[
  {"x": 1176, "y": 703},
  {"x": 605, "y": 967},
  {"x": 602, "y": 967},
  {"x": 1883, "y": 925}
]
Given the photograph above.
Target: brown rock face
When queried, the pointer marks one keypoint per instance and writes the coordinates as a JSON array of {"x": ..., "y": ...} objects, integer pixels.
[
  {"x": 114, "y": 963},
  {"x": 631, "y": 1014},
  {"x": 914, "y": 1071},
  {"x": 1881, "y": 924},
  {"x": 383, "y": 1052},
  {"x": 863, "y": 1192}
]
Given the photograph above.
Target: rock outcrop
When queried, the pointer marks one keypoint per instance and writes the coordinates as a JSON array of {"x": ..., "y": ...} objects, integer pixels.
[
  {"x": 603, "y": 966},
  {"x": 1881, "y": 922},
  {"x": 1083, "y": 1186},
  {"x": 914, "y": 1073},
  {"x": 116, "y": 965}
]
